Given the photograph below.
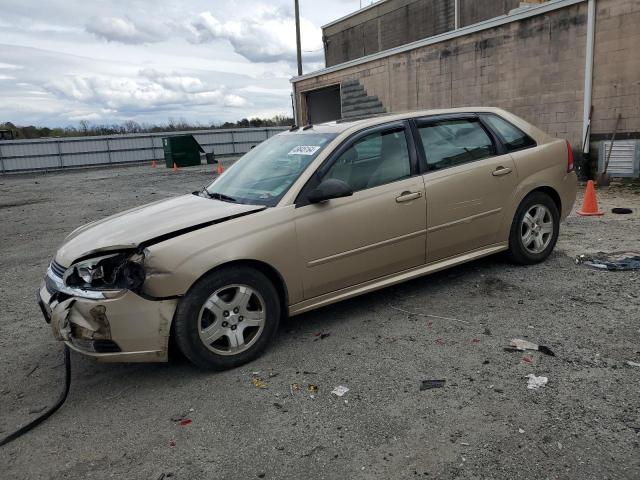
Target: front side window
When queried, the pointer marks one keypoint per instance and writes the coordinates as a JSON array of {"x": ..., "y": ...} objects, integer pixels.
[
  {"x": 264, "y": 174},
  {"x": 376, "y": 159},
  {"x": 512, "y": 137},
  {"x": 453, "y": 142}
]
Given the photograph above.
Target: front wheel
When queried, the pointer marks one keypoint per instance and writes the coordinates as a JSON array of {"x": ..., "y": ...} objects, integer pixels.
[
  {"x": 534, "y": 231},
  {"x": 227, "y": 318}
]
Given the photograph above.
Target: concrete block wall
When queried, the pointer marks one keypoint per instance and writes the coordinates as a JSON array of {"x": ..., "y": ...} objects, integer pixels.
[
  {"x": 616, "y": 70},
  {"x": 390, "y": 23},
  {"x": 533, "y": 67}
]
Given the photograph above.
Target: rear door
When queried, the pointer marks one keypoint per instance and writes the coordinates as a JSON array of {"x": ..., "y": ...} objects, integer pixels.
[
  {"x": 380, "y": 229},
  {"x": 469, "y": 180}
]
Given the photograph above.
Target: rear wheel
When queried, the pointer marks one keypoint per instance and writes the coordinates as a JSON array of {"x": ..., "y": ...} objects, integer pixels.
[
  {"x": 535, "y": 228},
  {"x": 227, "y": 318}
]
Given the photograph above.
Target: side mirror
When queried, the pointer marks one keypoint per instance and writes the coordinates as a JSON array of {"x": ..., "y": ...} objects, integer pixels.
[{"x": 328, "y": 189}]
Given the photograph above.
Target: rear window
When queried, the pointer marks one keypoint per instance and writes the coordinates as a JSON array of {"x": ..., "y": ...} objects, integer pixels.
[{"x": 512, "y": 137}]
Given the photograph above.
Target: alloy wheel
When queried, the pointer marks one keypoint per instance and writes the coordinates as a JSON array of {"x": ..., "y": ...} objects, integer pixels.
[
  {"x": 232, "y": 319},
  {"x": 536, "y": 229}
]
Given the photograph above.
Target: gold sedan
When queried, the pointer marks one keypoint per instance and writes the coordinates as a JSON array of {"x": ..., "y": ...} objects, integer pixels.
[{"x": 309, "y": 217}]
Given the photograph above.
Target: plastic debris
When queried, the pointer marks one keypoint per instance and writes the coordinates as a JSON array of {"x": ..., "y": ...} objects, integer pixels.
[
  {"x": 429, "y": 384},
  {"x": 633, "y": 364},
  {"x": 186, "y": 421},
  {"x": 614, "y": 261},
  {"x": 519, "y": 345},
  {"x": 621, "y": 211},
  {"x": 520, "y": 430},
  {"x": 258, "y": 382},
  {"x": 536, "y": 382},
  {"x": 340, "y": 390},
  {"x": 311, "y": 388}
]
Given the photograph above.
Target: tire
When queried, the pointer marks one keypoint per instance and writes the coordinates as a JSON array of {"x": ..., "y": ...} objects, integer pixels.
[
  {"x": 530, "y": 240},
  {"x": 227, "y": 318}
]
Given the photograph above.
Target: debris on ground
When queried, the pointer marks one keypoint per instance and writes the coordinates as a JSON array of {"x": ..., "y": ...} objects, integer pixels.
[
  {"x": 621, "y": 210},
  {"x": 614, "y": 261},
  {"x": 520, "y": 430},
  {"x": 340, "y": 390},
  {"x": 519, "y": 345},
  {"x": 633, "y": 364},
  {"x": 527, "y": 359},
  {"x": 258, "y": 382},
  {"x": 311, "y": 388},
  {"x": 322, "y": 336},
  {"x": 536, "y": 382},
  {"x": 294, "y": 387},
  {"x": 185, "y": 422},
  {"x": 429, "y": 384}
]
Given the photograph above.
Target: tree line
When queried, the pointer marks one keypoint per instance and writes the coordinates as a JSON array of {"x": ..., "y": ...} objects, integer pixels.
[{"x": 85, "y": 128}]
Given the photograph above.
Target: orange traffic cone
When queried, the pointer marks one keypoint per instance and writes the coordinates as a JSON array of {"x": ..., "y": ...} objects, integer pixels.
[
  {"x": 590, "y": 203},
  {"x": 175, "y": 167},
  {"x": 220, "y": 168},
  {"x": 154, "y": 164}
]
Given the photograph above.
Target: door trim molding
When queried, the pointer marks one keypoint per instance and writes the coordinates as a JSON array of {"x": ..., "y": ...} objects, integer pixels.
[
  {"x": 355, "y": 251},
  {"x": 378, "y": 283},
  {"x": 464, "y": 220}
]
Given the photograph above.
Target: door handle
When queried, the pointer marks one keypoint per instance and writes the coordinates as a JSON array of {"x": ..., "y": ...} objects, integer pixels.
[
  {"x": 408, "y": 196},
  {"x": 501, "y": 171}
]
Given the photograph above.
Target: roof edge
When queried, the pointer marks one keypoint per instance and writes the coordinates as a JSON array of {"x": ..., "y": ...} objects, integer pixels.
[{"x": 451, "y": 34}]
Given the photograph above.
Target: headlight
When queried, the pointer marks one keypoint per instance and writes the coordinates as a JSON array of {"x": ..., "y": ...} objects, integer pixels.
[{"x": 115, "y": 271}]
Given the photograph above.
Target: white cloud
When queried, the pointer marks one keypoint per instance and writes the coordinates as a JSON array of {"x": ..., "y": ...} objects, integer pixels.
[
  {"x": 9, "y": 66},
  {"x": 124, "y": 30},
  {"x": 267, "y": 36},
  {"x": 64, "y": 60},
  {"x": 141, "y": 93}
]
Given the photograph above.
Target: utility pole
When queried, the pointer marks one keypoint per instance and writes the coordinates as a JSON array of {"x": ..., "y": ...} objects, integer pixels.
[{"x": 299, "y": 48}]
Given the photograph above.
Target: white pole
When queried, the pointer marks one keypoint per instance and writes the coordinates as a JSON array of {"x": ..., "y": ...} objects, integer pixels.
[{"x": 588, "y": 72}]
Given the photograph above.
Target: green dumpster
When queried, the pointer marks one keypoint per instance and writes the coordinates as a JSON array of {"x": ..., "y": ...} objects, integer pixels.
[{"x": 183, "y": 150}]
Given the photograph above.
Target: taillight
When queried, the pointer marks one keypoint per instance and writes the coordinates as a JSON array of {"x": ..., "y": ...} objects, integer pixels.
[{"x": 569, "y": 158}]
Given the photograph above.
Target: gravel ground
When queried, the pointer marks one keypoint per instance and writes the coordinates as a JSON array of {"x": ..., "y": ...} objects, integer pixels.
[{"x": 122, "y": 421}]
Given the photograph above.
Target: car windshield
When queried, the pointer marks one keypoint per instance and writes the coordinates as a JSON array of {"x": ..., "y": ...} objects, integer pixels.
[{"x": 264, "y": 174}]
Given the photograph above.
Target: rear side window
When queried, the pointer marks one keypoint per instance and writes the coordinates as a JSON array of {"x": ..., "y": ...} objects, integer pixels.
[
  {"x": 512, "y": 137},
  {"x": 454, "y": 142}
]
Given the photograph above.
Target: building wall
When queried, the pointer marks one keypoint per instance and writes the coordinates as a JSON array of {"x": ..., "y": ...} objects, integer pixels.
[
  {"x": 386, "y": 25},
  {"x": 392, "y": 23},
  {"x": 533, "y": 67},
  {"x": 616, "y": 74},
  {"x": 473, "y": 11}
]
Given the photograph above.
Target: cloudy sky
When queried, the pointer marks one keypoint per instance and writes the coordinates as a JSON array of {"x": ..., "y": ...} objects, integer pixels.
[{"x": 63, "y": 61}]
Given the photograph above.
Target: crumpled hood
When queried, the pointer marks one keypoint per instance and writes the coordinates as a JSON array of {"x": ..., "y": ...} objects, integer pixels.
[{"x": 132, "y": 227}]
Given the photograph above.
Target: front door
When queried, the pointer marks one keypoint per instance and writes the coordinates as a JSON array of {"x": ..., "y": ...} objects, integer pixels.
[
  {"x": 468, "y": 183},
  {"x": 378, "y": 231}
]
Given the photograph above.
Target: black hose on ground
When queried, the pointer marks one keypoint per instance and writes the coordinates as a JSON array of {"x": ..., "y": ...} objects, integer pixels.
[{"x": 63, "y": 396}]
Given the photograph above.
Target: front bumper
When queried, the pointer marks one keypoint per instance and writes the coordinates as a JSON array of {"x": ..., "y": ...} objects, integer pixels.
[{"x": 117, "y": 327}]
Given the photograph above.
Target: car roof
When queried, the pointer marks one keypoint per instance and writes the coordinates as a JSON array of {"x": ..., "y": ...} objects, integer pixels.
[{"x": 346, "y": 125}]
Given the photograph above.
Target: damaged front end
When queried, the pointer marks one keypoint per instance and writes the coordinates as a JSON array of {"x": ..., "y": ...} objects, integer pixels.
[{"x": 97, "y": 306}]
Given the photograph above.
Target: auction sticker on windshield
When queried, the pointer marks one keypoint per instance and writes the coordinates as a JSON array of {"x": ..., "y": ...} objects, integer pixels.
[{"x": 304, "y": 150}]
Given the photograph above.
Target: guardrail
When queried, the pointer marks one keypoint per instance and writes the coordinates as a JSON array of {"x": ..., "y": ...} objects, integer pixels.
[{"x": 70, "y": 152}]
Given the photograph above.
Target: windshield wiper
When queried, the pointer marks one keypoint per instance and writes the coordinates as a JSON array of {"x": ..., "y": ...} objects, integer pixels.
[{"x": 220, "y": 196}]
